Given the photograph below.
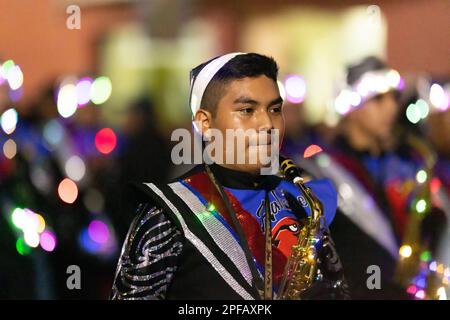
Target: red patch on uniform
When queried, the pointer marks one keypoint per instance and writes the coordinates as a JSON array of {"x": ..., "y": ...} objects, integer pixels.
[{"x": 285, "y": 234}]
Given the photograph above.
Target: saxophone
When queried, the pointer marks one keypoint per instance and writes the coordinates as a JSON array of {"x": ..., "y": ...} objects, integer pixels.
[{"x": 302, "y": 265}]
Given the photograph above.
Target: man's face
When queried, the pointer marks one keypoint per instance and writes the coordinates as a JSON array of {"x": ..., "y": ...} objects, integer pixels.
[
  {"x": 377, "y": 116},
  {"x": 438, "y": 125},
  {"x": 250, "y": 103}
]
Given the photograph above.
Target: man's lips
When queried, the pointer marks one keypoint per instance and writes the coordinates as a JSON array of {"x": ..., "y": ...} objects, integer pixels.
[
  {"x": 260, "y": 145},
  {"x": 260, "y": 142}
]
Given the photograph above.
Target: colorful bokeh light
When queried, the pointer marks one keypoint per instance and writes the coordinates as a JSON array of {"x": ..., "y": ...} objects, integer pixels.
[
  {"x": 9, "y": 149},
  {"x": 98, "y": 231},
  {"x": 75, "y": 168},
  {"x": 6, "y": 67},
  {"x": 22, "y": 248},
  {"x": 48, "y": 241},
  {"x": 68, "y": 191},
  {"x": 15, "y": 77},
  {"x": 67, "y": 100},
  {"x": 405, "y": 251},
  {"x": 421, "y": 206},
  {"x": 31, "y": 238},
  {"x": 295, "y": 87},
  {"x": 438, "y": 97},
  {"x": 101, "y": 90},
  {"x": 83, "y": 89},
  {"x": 105, "y": 140},
  {"x": 8, "y": 120},
  {"x": 53, "y": 132},
  {"x": 413, "y": 113}
]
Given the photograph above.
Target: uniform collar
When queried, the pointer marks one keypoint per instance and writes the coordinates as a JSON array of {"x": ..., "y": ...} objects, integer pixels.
[{"x": 243, "y": 180}]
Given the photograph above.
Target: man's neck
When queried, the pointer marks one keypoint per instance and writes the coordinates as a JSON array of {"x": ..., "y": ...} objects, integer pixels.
[
  {"x": 252, "y": 172},
  {"x": 237, "y": 179}
]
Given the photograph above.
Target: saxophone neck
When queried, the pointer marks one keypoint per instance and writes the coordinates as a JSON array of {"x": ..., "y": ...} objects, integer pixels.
[{"x": 293, "y": 173}]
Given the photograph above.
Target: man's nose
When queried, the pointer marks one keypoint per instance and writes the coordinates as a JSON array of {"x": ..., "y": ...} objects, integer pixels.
[
  {"x": 391, "y": 108},
  {"x": 264, "y": 121}
]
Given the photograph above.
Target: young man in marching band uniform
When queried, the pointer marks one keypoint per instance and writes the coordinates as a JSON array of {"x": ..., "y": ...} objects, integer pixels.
[{"x": 225, "y": 230}]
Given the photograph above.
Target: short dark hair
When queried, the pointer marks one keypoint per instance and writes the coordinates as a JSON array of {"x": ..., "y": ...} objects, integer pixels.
[
  {"x": 354, "y": 72},
  {"x": 241, "y": 66}
]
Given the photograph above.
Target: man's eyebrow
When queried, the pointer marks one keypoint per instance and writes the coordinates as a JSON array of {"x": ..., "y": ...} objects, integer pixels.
[
  {"x": 276, "y": 101},
  {"x": 246, "y": 100}
]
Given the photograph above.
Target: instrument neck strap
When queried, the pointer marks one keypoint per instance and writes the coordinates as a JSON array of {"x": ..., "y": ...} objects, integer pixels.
[{"x": 268, "y": 293}]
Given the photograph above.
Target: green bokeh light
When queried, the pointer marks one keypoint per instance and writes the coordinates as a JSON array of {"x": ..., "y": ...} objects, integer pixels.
[
  {"x": 425, "y": 256},
  {"x": 22, "y": 248},
  {"x": 101, "y": 90},
  {"x": 421, "y": 206},
  {"x": 413, "y": 113},
  {"x": 421, "y": 176},
  {"x": 423, "y": 107},
  {"x": 7, "y": 65}
]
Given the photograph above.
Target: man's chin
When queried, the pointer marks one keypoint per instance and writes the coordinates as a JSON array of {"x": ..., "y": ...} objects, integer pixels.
[
  {"x": 257, "y": 168},
  {"x": 385, "y": 134}
]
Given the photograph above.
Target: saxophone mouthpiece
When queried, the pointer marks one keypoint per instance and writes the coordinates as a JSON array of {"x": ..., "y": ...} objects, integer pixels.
[{"x": 289, "y": 169}]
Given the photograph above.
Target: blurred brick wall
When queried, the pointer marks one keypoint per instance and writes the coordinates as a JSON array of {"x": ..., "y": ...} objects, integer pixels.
[
  {"x": 34, "y": 34},
  {"x": 418, "y": 30},
  {"x": 419, "y": 35}
]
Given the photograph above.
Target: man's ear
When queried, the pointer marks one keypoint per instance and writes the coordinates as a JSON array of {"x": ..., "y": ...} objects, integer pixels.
[{"x": 202, "y": 119}]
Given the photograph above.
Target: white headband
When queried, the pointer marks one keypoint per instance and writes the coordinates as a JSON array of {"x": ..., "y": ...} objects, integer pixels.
[
  {"x": 369, "y": 84},
  {"x": 204, "y": 77}
]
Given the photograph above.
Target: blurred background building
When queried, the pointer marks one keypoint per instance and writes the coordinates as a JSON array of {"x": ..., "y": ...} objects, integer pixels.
[{"x": 85, "y": 110}]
